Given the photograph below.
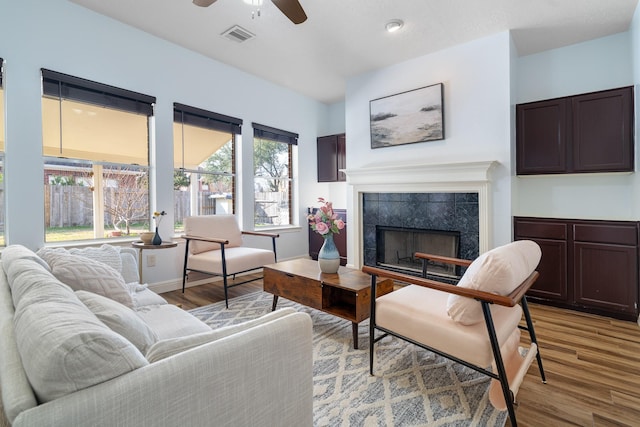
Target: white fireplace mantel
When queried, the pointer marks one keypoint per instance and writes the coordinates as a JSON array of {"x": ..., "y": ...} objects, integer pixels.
[{"x": 463, "y": 177}]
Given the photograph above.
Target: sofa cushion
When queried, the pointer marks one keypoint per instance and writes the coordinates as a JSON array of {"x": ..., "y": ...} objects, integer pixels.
[
  {"x": 237, "y": 259},
  {"x": 169, "y": 321},
  {"x": 120, "y": 319},
  {"x": 172, "y": 346},
  {"x": 82, "y": 273},
  {"x": 19, "y": 252},
  {"x": 498, "y": 271},
  {"x": 213, "y": 226},
  {"x": 62, "y": 345}
]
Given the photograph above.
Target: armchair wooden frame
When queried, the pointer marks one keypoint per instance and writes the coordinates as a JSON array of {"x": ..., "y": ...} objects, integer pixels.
[
  {"x": 517, "y": 296},
  {"x": 222, "y": 243}
]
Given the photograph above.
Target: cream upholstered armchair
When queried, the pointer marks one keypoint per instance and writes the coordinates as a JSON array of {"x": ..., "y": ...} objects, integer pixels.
[
  {"x": 214, "y": 246},
  {"x": 476, "y": 323}
]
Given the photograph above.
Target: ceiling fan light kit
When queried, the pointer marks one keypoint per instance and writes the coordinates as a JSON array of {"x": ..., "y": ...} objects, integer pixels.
[
  {"x": 290, "y": 8},
  {"x": 393, "y": 25}
]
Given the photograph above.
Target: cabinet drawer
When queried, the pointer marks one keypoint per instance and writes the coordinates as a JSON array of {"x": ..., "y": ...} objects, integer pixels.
[
  {"x": 300, "y": 289},
  {"x": 540, "y": 229},
  {"x": 621, "y": 234}
]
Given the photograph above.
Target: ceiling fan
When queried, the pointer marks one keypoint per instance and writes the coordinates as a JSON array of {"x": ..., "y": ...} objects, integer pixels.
[{"x": 291, "y": 8}]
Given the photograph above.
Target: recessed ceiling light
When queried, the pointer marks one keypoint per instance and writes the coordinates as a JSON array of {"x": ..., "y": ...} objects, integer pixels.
[
  {"x": 253, "y": 2},
  {"x": 394, "y": 25}
]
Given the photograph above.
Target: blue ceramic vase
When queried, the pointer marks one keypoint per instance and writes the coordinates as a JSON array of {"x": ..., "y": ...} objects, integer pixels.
[
  {"x": 328, "y": 256},
  {"x": 157, "y": 240}
]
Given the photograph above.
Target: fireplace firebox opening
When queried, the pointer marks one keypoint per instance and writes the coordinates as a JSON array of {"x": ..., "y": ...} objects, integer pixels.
[{"x": 396, "y": 247}]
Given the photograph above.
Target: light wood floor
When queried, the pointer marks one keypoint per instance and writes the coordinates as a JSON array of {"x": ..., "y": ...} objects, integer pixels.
[{"x": 592, "y": 364}]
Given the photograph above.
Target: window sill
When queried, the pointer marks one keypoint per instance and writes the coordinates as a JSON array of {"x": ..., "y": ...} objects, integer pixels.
[{"x": 282, "y": 228}]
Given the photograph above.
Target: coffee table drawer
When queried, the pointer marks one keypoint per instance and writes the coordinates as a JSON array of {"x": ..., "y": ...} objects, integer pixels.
[{"x": 300, "y": 289}]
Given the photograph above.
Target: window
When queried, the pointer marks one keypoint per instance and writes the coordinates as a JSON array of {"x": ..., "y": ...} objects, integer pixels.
[
  {"x": 273, "y": 182},
  {"x": 96, "y": 157},
  {"x": 2, "y": 241},
  {"x": 204, "y": 162}
]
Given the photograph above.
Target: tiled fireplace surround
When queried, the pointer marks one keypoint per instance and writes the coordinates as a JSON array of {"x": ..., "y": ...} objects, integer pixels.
[{"x": 452, "y": 197}]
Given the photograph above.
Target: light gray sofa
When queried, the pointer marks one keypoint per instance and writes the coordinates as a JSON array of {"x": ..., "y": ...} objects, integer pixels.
[{"x": 69, "y": 357}]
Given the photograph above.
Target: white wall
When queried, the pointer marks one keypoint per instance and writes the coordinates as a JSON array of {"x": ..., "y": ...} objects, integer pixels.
[
  {"x": 64, "y": 37},
  {"x": 476, "y": 79},
  {"x": 600, "y": 64}
]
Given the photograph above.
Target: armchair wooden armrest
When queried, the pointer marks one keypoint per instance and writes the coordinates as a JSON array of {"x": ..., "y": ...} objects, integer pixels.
[
  {"x": 260, "y": 233},
  {"x": 509, "y": 300},
  {"x": 444, "y": 259},
  {"x": 205, "y": 239}
]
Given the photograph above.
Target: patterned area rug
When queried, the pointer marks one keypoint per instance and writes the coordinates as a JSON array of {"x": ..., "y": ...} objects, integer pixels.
[{"x": 411, "y": 386}]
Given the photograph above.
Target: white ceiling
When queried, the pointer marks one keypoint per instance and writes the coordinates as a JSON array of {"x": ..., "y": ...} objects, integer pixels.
[{"x": 343, "y": 38}]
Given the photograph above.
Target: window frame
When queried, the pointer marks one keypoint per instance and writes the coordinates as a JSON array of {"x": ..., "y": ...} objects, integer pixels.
[
  {"x": 197, "y": 117},
  {"x": 269, "y": 133},
  {"x": 64, "y": 87}
]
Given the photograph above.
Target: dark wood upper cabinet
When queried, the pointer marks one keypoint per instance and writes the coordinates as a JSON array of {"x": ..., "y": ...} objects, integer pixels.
[
  {"x": 585, "y": 133},
  {"x": 603, "y": 131},
  {"x": 331, "y": 158},
  {"x": 542, "y": 137}
]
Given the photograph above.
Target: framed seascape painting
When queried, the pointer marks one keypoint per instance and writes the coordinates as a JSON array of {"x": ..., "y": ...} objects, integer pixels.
[{"x": 407, "y": 117}]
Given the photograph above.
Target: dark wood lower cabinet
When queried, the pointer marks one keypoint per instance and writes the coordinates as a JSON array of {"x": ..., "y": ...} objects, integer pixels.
[{"x": 586, "y": 265}]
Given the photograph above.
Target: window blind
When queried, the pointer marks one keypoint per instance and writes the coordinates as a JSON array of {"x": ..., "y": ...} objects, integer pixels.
[
  {"x": 206, "y": 119},
  {"x": 64, "y": 86},
  {"x": 267, "y": 132}
]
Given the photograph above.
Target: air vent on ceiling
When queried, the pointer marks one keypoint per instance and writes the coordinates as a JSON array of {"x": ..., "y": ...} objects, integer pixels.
[{"x": 238, "y": 34}]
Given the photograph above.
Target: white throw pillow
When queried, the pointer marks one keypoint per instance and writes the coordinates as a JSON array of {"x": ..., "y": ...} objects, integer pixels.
[
  {"x": 120, "y": 319},
  {"x": 106, "y": 254},
  {"x": 82, "y": 273},
  {"x": 129, "y": 268},
  {"x": 498, "y": 271}
]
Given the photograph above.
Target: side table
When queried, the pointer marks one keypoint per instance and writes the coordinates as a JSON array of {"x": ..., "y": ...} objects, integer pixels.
[{"x": 142, "y": 246}]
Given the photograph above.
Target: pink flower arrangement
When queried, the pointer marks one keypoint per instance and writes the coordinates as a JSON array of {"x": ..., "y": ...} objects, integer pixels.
[{"x": 325, "y": 221}]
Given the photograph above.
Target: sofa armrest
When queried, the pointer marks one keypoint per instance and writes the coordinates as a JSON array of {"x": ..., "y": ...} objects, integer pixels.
[{"x": 261, "y": 376}]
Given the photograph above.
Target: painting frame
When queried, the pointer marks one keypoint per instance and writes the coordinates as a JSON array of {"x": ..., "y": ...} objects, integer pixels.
[{"x": 408, "y": 117}]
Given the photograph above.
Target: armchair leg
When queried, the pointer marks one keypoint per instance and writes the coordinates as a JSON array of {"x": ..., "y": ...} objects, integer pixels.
[
  {"x": 497, "y": 356},
  {"x": 226, "y": 293},
  {"x": 184, "y": 270},
  {"x": 372, "y": 322},
  {"x": 532, "y": 334}
]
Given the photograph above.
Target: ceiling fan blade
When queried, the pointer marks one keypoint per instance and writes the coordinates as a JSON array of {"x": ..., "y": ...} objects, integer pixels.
[
  {"x": 204, "y": 3},
  {"x": 292, "y": 10}
]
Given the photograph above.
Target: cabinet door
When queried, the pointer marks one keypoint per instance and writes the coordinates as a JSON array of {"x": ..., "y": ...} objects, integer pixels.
[
  {"x": 331, "y": 157},
  {"x": 327, "y": 158},
  {"x": 606, "y": 276},
  {"x": 342, "y": 156},
  {"x": 552, "y": 284},
  {"x": 541, "y": 137},
  {"x": 603, "y": 131}
]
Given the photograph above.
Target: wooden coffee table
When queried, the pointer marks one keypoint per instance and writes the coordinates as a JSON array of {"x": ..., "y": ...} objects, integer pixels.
[{"x": 345, "y": 294}]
